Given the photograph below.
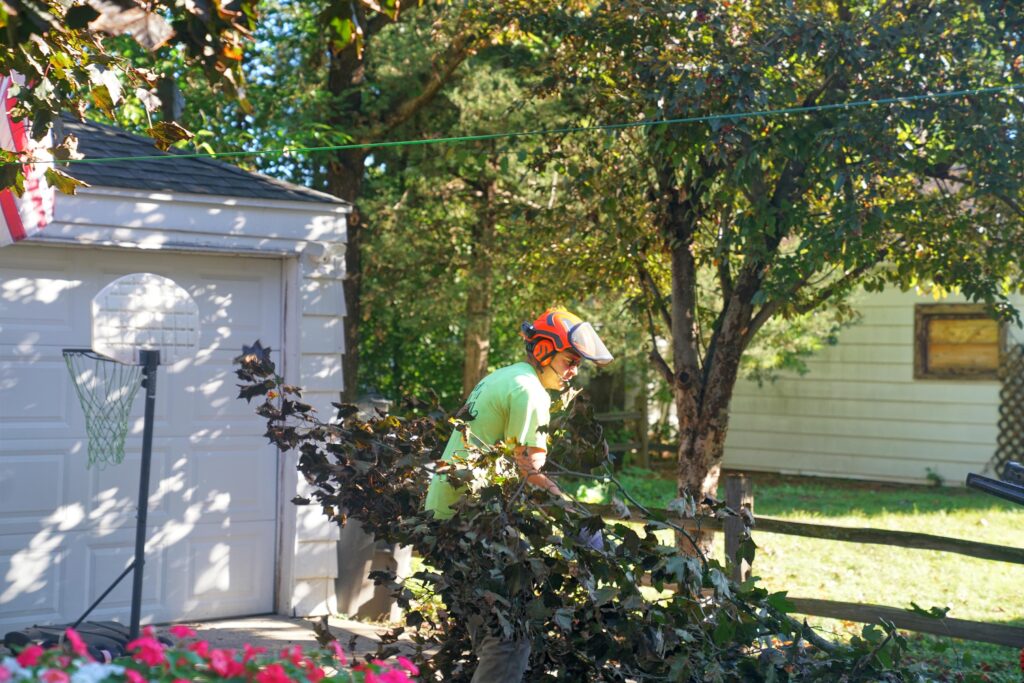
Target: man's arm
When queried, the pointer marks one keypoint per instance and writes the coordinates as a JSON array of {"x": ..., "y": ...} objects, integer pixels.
[{"x": 530, "y": 461}]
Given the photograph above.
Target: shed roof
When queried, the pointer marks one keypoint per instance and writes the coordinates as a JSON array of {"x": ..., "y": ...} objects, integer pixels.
[{"x": 188, "y": 175}]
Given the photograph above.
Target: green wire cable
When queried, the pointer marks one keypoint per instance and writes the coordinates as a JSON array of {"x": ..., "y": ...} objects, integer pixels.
[{"x": 765, "y": 113}]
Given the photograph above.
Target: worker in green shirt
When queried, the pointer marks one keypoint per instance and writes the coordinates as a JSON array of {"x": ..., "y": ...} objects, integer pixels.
[{"x": 510, "y": 405}]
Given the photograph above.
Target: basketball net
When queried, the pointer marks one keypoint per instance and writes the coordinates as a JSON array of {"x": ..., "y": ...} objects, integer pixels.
[{"x": 106, "y": 390}]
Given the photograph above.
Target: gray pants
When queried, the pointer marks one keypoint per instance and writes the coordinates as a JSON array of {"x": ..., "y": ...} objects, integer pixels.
[{"x": 498, "y": 661}]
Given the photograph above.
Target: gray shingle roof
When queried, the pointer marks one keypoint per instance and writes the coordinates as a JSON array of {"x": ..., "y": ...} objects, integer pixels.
[{"x": 194, "y": 176}]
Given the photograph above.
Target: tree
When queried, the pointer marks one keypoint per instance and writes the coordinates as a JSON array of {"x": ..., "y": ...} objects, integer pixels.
[
  {"x": 63, "y": 51},
  {"x": 474, "y": 219},
  {"x": 754, "y": 219}
]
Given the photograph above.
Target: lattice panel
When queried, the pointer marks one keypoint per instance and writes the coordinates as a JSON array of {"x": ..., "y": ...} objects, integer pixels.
[{"x": 1010, "y": 442}]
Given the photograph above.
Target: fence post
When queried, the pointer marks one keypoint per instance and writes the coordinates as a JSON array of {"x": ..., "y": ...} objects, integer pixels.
[
  {"x": 738, "y": 494},
  {"x": 645, "y": 445}
]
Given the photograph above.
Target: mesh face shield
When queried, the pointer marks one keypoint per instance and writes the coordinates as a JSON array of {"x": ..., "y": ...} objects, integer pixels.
[{"x": 584, "y": 341}]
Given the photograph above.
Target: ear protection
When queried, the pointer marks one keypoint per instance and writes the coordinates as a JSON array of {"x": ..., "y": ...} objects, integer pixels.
[{"x": 538, "y": 345}]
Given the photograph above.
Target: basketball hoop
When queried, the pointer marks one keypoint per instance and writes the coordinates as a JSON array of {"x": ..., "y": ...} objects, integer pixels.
[
  {"x": 138, "y": 322},
  {"x": 106, "y": 389}
]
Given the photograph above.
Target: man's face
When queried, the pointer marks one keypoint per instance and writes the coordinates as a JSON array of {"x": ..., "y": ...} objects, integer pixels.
[{"x": 560, "y": 371}]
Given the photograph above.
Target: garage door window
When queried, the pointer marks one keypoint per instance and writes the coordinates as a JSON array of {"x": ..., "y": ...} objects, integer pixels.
[{"x": 956, "y": 341}]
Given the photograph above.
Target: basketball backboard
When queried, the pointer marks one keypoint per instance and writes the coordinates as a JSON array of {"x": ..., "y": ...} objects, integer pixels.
[{"x": 143, "y": 311}]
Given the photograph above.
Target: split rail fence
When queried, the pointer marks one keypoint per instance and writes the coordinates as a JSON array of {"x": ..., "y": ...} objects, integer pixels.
[{"x": 739, "y": 493}]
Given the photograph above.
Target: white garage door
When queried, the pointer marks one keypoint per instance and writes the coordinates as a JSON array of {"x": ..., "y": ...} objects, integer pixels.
[{"x": 66, "y": 530}]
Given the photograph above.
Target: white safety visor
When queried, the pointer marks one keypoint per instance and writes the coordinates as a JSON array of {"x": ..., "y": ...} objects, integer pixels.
[{"x": 584, "y": 341}]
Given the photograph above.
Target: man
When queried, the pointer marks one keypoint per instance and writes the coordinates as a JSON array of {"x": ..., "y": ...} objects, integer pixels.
[{"x": 511, "y": 405}]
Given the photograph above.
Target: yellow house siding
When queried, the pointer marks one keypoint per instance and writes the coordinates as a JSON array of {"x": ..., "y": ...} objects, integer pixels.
[{"x": 860, "y": 413}]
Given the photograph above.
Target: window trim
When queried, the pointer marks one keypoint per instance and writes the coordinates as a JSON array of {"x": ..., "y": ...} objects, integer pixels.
[{"x": 923, "y": 313}]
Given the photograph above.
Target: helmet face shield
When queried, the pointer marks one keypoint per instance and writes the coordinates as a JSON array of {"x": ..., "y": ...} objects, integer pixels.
[{"x": 584, "y": 341}]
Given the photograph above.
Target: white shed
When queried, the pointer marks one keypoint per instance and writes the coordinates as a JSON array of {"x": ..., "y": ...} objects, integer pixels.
[
  {"x": 264, "y": 260},
  {"x": 909, "y": 394}
]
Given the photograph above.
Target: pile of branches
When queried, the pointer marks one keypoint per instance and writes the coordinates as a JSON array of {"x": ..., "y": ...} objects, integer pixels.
[{"x": 529, "y": 565}]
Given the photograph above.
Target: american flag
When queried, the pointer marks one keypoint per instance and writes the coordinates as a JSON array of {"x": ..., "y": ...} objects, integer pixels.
[{"x": 23, "y": 216}]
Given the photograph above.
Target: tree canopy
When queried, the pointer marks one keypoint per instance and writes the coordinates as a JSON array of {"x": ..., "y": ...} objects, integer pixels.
[{"x": 755, "y": 217}]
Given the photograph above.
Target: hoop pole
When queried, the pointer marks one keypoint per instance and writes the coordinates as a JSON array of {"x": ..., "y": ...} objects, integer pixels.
[{"x": 150, "y": 360}]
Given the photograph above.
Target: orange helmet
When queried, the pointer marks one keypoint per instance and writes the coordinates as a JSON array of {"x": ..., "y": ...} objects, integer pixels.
[{"x": 559, "y": 330}]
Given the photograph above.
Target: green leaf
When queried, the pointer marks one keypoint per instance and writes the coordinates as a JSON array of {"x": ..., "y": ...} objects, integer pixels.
[
  {"x": 166, "y": 133},
  {"x": 780, "y": 602},
  {"x": 872, "y": 633},
  {"x": 563, "y": 618},
  {"x": 746, "y": 550},
  {"x": 342, "y": 30},
  {"x": 724, "y": 631},
  {"x": 605, "y": 594},
  {"x": 12, "y": 175},
  {"x": 63, "y": 182}
]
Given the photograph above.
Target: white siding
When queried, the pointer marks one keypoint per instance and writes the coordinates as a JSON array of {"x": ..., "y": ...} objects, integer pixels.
[
  {"x": 322, "y": 303},
  {"x": 860, "y": 413}
]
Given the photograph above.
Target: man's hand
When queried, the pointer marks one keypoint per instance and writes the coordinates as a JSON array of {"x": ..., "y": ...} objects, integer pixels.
[{"x": 530, "y": 460}]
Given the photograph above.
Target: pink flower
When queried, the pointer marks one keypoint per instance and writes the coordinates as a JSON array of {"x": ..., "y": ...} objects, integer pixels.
[
  {"x": 148, "y": 650},
  {"x": 202, "y": 648},
  {"x": 339, "y": 653},
  {"x": 55, "y": 676},
  {"x": 182, "y": 631},
  {"x": 274, "y": 673},
  {"x": 250, "y": 652},
  {"x": 293, "y": 654},
  {"x": 134, "y": 676},
  {"x": 223, "y": 663},
  {"x": 148, "y": 632},
  {"x": 78, "y": 645},
  {"x": 30, "y": 655},
  {"x": 315, "y": 673},
  {"x": 393, "y": 676},
  {"x": 5, "y": 674},
  {"x": 408, "y": 666},
  {"x": 370, "y": 676}
]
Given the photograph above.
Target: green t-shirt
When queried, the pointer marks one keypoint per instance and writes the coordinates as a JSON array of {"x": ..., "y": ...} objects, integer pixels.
[{"x": 508, "y": 405}]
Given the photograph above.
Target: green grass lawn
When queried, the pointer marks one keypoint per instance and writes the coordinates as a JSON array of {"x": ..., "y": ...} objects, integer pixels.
[{"x": 973, "y": 589}]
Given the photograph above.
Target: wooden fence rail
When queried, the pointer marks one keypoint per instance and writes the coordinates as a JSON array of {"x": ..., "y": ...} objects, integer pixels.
[{"x": 739, "y": 493}]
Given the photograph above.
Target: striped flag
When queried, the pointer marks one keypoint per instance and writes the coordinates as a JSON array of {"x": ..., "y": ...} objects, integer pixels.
[{"x": 23, "y": 216}]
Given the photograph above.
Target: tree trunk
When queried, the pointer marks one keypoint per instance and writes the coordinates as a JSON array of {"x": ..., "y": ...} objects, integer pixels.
[
  {"x": 480, "y": 295},
  {"x": 702, "y": 440},
  {"x": 345, "y": 173},
  {"x": 345, "y": 180},
  {"x": 702, "y": 392}
]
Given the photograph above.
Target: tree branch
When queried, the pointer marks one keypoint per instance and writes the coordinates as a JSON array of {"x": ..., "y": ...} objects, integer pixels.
[
  {"x": 724, "y": 267},
  {"x": 942, "y": 173},
  {"x": 659, "y": 301},
  {"x": 656, "y": 358},
  {"x": 445, "y": 65}
]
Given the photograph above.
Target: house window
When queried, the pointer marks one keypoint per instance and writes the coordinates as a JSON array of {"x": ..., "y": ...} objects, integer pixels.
[{"x": 956, "y": 341}]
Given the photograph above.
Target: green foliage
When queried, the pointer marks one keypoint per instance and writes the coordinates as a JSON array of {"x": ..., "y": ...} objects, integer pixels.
[
  {"x": 71, "y": 60},
  {"x": 514, "y": 558},
  {"x": 482, "y": 220}
]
